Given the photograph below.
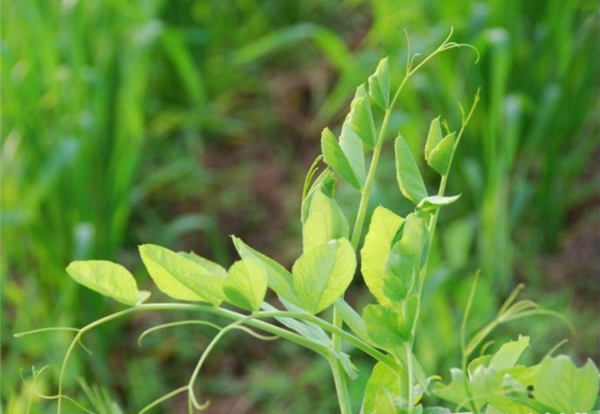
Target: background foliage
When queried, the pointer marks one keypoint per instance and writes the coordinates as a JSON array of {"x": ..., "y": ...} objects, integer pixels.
[{"x": 177, "y": 123}]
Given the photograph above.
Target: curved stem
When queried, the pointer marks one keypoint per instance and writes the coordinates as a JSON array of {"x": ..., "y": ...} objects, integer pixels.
[
  {"x": 77, "y": 340},
  {"x": 262, "y": 325},
  {"x": 201, "y": 361},
  {"x": 163, "y": 398},
  {"x": 175, "y": 324},
  {"x": 36, "y": 331}
]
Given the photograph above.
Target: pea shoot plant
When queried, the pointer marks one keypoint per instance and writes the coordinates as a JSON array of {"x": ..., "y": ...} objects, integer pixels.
[{"x": 393, "y": 263}]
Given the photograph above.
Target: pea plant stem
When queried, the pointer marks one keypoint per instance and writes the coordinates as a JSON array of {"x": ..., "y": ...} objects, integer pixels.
[
  {"x": 254, "y": 320},
  {"x": 265, "y": 326},
  {"x": 365, "y": 196},
  {"x": 432, "y": 226}
]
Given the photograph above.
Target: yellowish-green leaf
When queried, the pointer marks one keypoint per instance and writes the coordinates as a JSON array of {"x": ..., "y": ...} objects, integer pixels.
[
  {"x": 212, "y": 267},
  {"x": 386, "y": 327},
  {"x": 353, "y": 149},
  {"x": 433, "y": 203},
  {"x": 405, "y": 259},
  {"x": 433, "y": 137},
  {"x": 509, "y": 353},
  {"x": 407, "y": 173},
  {"x": 378, "y": 243},
  {"x": 335, "y": 157},
  {"x": 107, "y": 278},
  {"x": 361, "y": 118},
  {"x": 379, "y": 84},
  {"x": 385, "y": 390},
  {"x": 325, "y": 222},
  {"x": 324, "y": 183},
  {"x": 560, "y": 384},
  {"x": 181, "y": 278},
  {"x": 279, "y": 279},
  {"x": 441, "y": 155},
  {"x": 323, "y": 273},
  {"x": 456, "y": 391},
  {"x": 246, "y": 284}
]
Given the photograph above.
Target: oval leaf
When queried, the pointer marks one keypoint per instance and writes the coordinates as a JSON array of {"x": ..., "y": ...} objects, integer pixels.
[
  {"x": 279, "y": 279},
  {"x": 379, "y": 84},
  {"x": 361, "y": 118},
  {"x": 335, "y": 157},
  {"x": 322, "y": 274},
  {"x": 324, "y": 183},
  {"x": 246, "y": 284},
  {"x": 407, "y": 173},
  {"x": 182, "y": 278},
  {"x": 433, "y": 137},
  {"x": 405, "y": 259},
  {"x": 378, "y": 243},
  {"x": 385, "y": 391},
  {"x": 441, "y": 155},
  {"x": 325, "y": 222},
  {"x": 107, "y": 278},
  {"x": 432, "y": 203},
  {"x": 353, "y": 148},
  {"x": 212, "y": 267}
]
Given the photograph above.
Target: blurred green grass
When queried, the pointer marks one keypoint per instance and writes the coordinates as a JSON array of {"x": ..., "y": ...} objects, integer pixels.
[{"x": 113, "y": 114}]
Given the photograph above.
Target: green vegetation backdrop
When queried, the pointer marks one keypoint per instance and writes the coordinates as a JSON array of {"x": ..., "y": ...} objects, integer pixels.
[{"x": 179, "y": 122}]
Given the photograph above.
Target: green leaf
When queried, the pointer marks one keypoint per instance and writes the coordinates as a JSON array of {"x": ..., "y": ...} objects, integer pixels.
[
  {"x": 306, "y": 329},
  {"x": 379, "y": 84},
  {"x": 559, "y": 384},
  {"x": 408, "y": 175},
  {"x": 182, "y": 278},
  {"x": 107, "y": 278},
  {"x": 455, "y": 391},
  {"x": 324, "y": 183},
  {"x": 323, "y": 273},
  {"x": 353, "y": 149},
  {"x": 325, "y": 222},
  {"x": 246, "y": 284},
  {"x": 352, "y": 319},
  {"x": 405, "y": 259},
  {"x": 212, "y": 267},
  {"x": 432, "y": 203},
  {"x": 488, "y": 385},
  {"x": 385, "y": 390},
  {"x": 386, "y": 327},
  {"x": 335, "y": 157},
  {"x": 433, "y": 137},
  {"x": 442, "y": 154},
  {"x": 378, "y": 243},
  {"x": 509, "y": 353},
  {"x": 360, "y": 118},
  {"x": 279, "y": 279}
]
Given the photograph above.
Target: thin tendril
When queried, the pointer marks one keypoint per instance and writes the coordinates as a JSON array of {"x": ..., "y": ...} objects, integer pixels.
[
  {"x": 163, "y": 398},
  {"x": 174, "y": 324}
]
